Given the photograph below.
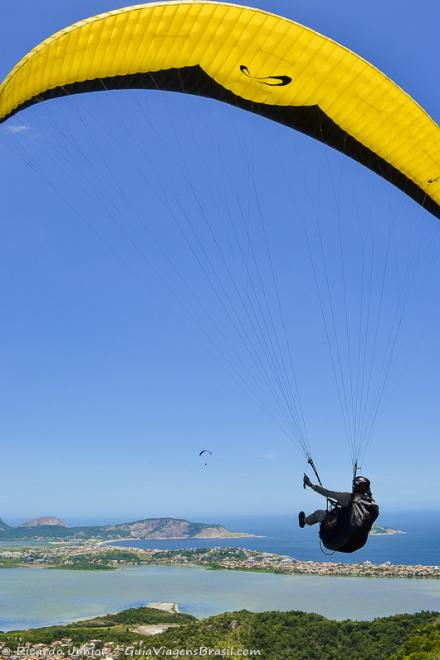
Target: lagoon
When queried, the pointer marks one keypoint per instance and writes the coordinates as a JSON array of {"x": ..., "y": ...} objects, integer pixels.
[{"x": 31, "y": 597}]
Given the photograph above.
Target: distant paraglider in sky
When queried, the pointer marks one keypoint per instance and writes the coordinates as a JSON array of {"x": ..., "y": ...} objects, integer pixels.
[{"x": 205, "y": 453}]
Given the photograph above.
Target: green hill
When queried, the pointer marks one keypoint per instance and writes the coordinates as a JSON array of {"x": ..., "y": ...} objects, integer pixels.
[
  {"x": 118, "y": 627},
  {"x": 301, "y": 636},
  {"x": 276, "y": 635}
]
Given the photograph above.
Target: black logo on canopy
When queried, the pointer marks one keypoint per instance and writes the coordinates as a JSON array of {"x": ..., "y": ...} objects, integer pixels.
[{"x": 271, "y": 81}]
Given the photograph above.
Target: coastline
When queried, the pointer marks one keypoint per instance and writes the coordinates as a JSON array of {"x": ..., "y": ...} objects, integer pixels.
[{"x": 105, "y": 557}]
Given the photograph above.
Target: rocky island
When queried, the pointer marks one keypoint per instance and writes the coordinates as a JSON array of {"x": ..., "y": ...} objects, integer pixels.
[
  {"x": 379, "y": 530},
  {"x": 50, "y": 528}
]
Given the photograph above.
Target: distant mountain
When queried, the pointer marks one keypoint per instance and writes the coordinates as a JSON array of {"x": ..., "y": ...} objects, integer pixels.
[
  {"x": 48, "y": 528},
  {"x": 3, "y": 526},
  {"x": 45, "y": 521}
]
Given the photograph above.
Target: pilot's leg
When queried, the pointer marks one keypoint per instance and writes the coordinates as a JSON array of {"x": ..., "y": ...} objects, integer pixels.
[{"x": 315, "y": 517}]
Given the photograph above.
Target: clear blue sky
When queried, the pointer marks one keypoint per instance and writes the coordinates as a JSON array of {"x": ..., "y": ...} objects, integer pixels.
[{"x": 108, "y": 389}]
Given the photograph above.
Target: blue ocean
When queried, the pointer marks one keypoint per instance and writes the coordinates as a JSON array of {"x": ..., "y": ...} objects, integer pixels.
[{"x": 419, "y": 544}]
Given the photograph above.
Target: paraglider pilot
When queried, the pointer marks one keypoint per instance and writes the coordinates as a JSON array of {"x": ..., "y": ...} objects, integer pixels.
[
  {"x": 344, "y": 499},
  {"x": 344, "y": 527}
]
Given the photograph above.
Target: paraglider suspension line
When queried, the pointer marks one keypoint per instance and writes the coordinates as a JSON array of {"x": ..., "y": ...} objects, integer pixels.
[{"x": 313, "y": 466}]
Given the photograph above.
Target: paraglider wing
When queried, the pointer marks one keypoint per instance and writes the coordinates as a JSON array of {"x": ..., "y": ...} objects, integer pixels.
[{"x": 251, "y": 59}]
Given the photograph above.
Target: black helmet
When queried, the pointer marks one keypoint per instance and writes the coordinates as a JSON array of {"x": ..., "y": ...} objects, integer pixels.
[{"x": 361, "y": 481}]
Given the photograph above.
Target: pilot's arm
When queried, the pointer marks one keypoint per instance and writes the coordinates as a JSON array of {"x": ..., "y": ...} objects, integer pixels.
[{"x": 344, "y": 499}]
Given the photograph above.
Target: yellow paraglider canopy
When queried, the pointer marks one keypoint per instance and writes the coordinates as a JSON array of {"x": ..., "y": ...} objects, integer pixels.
[{"x": 249, "y": 58}]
